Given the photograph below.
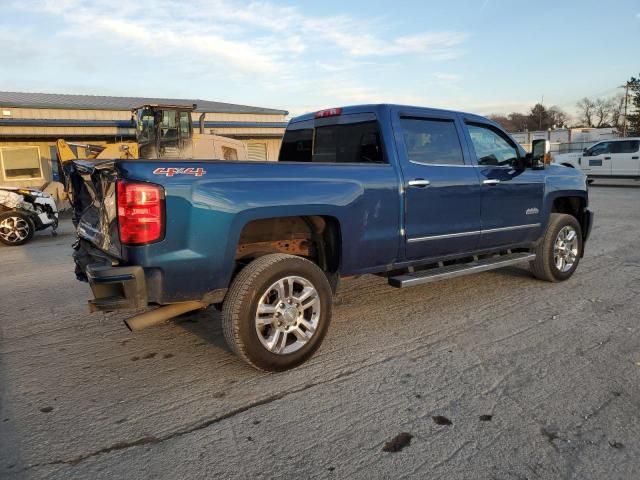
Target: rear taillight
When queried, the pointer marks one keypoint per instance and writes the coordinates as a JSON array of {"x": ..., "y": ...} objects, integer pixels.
[{"x": 140, "y": 212}]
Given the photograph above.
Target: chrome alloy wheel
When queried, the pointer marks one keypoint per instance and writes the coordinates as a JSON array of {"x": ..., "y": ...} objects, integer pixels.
[
  {"x": 14, "y": 229},
  {"x": 565, "y": 249},
  {"x": 287, "y": 315}
]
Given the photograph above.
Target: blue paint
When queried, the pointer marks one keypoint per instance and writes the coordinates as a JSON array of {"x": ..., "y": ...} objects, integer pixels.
[{"x": 372, "y": 203}]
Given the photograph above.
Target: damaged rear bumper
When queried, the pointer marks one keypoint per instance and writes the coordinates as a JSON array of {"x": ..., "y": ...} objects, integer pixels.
[{"x": 116, "y": 288}]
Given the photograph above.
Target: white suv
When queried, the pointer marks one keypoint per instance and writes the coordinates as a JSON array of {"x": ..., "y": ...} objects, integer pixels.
[{"x": 618, "y": 157}]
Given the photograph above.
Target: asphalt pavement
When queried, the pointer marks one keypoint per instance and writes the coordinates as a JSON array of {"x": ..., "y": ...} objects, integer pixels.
[{"x": 495, "y": 375}]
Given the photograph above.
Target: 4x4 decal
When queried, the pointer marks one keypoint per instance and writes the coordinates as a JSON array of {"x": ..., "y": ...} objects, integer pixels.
[{"x": 171, "y": 171}]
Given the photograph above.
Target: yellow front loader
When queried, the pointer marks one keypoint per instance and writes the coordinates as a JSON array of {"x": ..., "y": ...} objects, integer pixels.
[
  {"x": 119, "y": 150},
  {"x": 162, "y": 132}
]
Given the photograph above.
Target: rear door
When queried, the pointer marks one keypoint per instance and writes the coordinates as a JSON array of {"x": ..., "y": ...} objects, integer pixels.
[
  {"x": 511, "y": 196},
  {"x": 442, "y": 191},
  {"x": 625, "y": 158},
  {"x": 597, "y": 159}
]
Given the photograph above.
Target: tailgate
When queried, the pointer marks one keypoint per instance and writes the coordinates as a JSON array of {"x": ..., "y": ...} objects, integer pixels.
[{"x": 92, "y": 190}]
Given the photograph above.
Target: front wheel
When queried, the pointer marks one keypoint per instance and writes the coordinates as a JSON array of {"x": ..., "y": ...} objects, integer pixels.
[
  {"x": 558, "y": 252},
  {"x": 277, "y": 311},
  {"x": 16, "y": 228}
]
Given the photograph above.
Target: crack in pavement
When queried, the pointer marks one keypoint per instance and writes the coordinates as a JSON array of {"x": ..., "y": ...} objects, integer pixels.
[{"x": 152, "y": 440}]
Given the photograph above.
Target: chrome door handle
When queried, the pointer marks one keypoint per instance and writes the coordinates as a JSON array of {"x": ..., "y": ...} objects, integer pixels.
[
  {"x": 419, "y": 182},
  {"x": 491, "y": 181}
]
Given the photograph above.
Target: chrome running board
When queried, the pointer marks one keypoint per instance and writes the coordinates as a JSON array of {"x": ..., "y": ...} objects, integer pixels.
[{"x": 451, "y": 271}]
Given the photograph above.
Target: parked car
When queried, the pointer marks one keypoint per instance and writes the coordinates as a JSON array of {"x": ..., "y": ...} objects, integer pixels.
[
  {"x": 411, "y": 194},
  {"x": 617, "y": 158},
  {"x": 23, "y": 211}
]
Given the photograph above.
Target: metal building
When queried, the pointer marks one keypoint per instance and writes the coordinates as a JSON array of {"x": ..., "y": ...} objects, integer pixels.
[{"x": 30, "y": 123}]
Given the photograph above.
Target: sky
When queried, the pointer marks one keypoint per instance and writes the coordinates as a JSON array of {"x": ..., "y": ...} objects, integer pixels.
[{"x": 484, "y": 56}]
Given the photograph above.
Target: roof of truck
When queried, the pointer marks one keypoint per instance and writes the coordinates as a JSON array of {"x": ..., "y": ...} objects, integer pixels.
[{"x": 375, "y": 107}]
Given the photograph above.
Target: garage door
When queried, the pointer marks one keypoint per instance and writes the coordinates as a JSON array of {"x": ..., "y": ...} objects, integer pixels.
[{"x": 257, "y": 151}]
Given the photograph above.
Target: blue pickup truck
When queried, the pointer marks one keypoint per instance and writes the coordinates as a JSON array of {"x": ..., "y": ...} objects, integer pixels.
[{"x": 411, "y": 194}]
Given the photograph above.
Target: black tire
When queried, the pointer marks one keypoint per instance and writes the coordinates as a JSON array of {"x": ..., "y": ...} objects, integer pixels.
[
  {"x": 13, "y": 239},
  {"x": 241, "y": 304},
  {"x": 544, "y": 266}
]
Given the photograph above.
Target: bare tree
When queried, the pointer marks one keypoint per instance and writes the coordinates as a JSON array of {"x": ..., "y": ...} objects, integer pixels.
[
  {"x": 602, "y": 112},
  {"x": 617, "y": 111},
  {"x": 586, "y": 110}
]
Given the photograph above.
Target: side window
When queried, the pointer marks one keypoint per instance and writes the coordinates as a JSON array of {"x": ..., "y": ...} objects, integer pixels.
[
  {"x": 348, "y": 143},
  {"x": 600, "y": 149},
  {"x": 357, "y": 142},
  {"x": 296, "y": 145},
  {"x": 145, "y": 126},
  {"x": 184, "y": 124},
  {"x": 626, "y": 146},
  {"x": 491, "y": 147},
  {"x": 168, "y": 127},
  {"x": 229, "y": 153},
  {"x": 432, "y": 141}
]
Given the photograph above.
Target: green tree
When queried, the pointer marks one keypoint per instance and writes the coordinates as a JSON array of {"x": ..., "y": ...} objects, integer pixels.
[{"x": 538, "y": 118}]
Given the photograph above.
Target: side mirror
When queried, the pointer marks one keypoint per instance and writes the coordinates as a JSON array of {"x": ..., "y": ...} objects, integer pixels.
[{"x": 539, "y": 153}]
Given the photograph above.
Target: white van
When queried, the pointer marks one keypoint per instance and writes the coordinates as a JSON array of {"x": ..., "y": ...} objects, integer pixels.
[{"x": 615, "y": 158}]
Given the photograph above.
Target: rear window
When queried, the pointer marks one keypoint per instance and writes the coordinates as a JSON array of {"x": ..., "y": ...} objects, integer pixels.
[
  {"x": 432, "y": 141},
  {"x": 339, "y": 143},
  {"x": 625, "y": 146}
]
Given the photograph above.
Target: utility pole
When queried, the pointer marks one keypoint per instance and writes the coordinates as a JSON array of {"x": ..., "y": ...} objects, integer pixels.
[
  {"x": 540, "y": 113},
  {"x": 626, "y": 95}
]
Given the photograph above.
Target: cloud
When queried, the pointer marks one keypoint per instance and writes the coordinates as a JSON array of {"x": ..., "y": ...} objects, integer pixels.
[
  {"x": 447, "y": 77},
  {"x": 259, "y": 37},
  {"x": 257, "y": 52}
]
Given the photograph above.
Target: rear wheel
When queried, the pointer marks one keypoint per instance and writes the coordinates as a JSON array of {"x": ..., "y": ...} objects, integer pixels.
[
  {"x": 16, "y": 228},
  {"x": 558, "y": 252},
  {"x": 277, "y": 312}
]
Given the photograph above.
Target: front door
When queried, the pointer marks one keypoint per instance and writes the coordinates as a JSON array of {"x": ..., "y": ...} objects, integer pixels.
[
  {"x": 511, "y": 195},
  {"x": 442, "y": 192},
  {"x": 597, "y": 159}
]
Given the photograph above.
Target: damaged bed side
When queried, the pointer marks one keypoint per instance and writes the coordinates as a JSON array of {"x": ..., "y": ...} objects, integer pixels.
[{"x": 98, "y": 252}]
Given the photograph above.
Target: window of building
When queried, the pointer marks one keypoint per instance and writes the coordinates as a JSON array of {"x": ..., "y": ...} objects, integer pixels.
[
  {"x": 492, "y": 147},
  {"x": 432, "y": 141},
  {"x": 21, "y": 163}
]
